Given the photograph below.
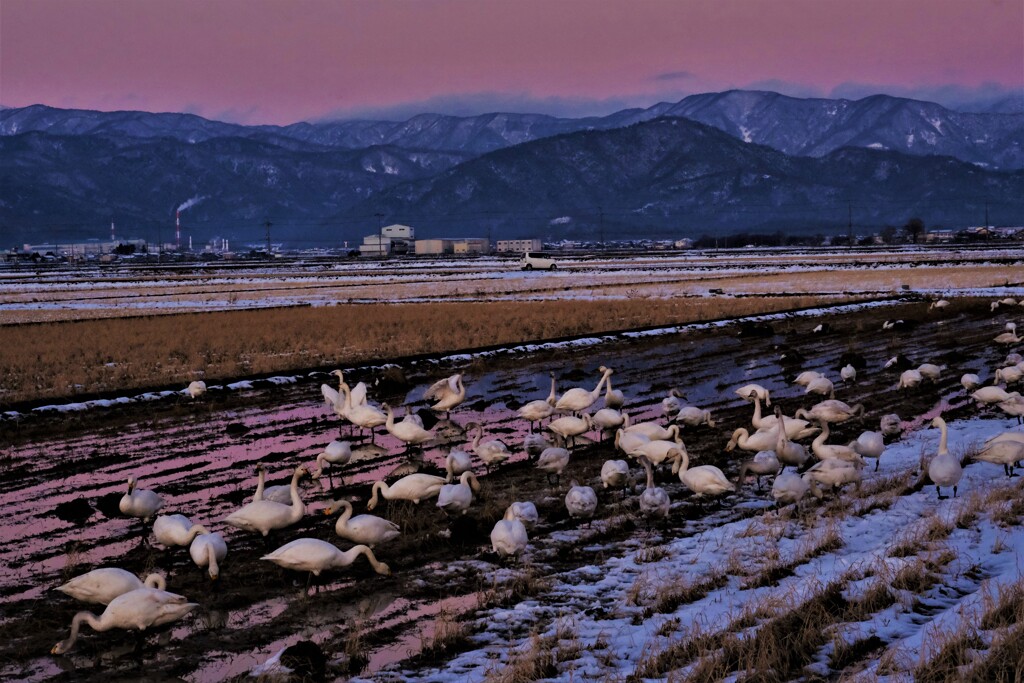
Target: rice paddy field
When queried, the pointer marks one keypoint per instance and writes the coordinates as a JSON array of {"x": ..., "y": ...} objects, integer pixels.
[{"x": 882, "y": 581}]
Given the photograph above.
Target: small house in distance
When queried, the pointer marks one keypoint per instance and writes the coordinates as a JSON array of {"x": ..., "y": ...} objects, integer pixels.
[
  {"x": 519, "y": 246},
  {"x": 392, "y": 239}
]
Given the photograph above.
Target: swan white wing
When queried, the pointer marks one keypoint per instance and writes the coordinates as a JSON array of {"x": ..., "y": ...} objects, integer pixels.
[{"x": 331, "y": 395}]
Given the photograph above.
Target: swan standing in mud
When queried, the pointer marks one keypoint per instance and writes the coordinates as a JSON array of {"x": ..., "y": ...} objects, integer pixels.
[
  {"x": 141, "y": 503},
  {"x": 209, "y": 550},
  {"x": 172, "y": 530},
  {"x": 576, "y": 400},
  {"x": 538, "y": 409},
  {"x": 944, "y": 469},
  {"x": 412, "y": 487},
  {"x": 368, "y": 530},
  {"x": 449, "y": 393}
]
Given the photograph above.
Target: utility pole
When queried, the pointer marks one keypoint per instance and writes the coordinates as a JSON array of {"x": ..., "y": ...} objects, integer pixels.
[
  {"x": 267, "y": 224},
  {"x": 380, "y": 231},
  {"x": 986, "y": 214},
  {"x": 849, "y": 221},
  {"x": 600, "y": 214}
]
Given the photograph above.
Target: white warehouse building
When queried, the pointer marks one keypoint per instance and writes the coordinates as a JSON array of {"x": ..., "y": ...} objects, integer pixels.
[{"x": 519, "y": 245}]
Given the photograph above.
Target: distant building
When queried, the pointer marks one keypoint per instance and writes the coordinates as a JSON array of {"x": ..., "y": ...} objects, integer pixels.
[
  {"x": 940, "y": 236},
  {"x": 375, "y": 245},
  {"x": 452, "y": 245},
  {"x": 519, "y": 246},
  {"x": 392, "y": 239}
]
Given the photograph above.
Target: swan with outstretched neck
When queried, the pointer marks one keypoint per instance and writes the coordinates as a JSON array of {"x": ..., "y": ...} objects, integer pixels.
[{"x": 413, "y": 487}]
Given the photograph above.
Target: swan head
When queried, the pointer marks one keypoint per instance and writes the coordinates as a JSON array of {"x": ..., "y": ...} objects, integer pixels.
[
  {"x": 131, "y": 484},
  {"x": 337, "y": 373},
  {"x": 938, "y": 422}
]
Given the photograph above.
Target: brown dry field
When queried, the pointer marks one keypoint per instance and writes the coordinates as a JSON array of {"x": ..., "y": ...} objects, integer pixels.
[{"x": 71, "y": 334}]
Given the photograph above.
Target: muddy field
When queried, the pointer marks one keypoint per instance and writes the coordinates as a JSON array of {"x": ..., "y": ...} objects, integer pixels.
[{"x": 201, "y": 458}]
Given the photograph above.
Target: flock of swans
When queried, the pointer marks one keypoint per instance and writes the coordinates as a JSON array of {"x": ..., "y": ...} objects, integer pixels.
[{"x": 772, "y": 441}]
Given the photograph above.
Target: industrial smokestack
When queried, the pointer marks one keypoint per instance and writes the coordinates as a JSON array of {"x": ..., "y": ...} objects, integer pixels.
[
  {"x": 111, "y": 231},
  {"x": 177, "y": 229}
]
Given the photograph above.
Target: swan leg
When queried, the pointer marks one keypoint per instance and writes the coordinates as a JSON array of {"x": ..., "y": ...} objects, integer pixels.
[
  {"x": 938, "y": 492},
  {"x": 878, "y": 461}
]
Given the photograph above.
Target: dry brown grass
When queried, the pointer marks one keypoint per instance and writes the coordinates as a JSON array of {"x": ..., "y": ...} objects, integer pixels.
[{"x": 61, "y": 359}]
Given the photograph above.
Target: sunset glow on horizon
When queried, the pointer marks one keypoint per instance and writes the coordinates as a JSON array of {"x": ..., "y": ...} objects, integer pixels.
[{"x": 270, "y": 61}]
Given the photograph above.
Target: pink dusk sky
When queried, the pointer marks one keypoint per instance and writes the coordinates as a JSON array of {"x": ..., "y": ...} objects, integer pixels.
[{"x": 281, "y": 61}]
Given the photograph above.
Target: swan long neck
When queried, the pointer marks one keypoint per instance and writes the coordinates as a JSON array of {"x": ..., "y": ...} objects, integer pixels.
[
  {"x": 682, "y": 462},
  {"x": 390, "y": 423},
  {"x": 76, "y": 625},
  {"x": 379, "y": 487},
  {"x": 479, "y": 435},
  {"x": 298, "y": 508},
  {"x": 943, "y": 438},
  {"x": 823, "y": 437},
  {"x": 469, "y": 479},
  {"x": 196, "y": 530},
  {"x": 650, "y": 471},
  {"x": 211, "y": 561},
  {"x": 781, "y": 441},
  {"x": 756, "y": 419},
  {"x": 551, "y": 395},
  {"x": 346, "y": 513},
  {"x": 261, "y": 481},
  {"x": 597, "y": 390}
]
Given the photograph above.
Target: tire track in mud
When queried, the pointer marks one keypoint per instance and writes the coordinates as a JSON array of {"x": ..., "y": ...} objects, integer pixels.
[{"x": 205, "y": 470}]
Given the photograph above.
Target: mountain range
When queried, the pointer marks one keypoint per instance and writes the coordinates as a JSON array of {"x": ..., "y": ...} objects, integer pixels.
[{"x": 737, "y": 160}]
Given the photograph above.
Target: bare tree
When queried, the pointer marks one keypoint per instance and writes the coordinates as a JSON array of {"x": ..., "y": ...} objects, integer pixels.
[{"x": 914, "y": 228}]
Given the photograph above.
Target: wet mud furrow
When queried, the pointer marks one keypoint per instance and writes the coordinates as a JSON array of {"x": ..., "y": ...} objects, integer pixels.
[{"x": 201, "y": 457}]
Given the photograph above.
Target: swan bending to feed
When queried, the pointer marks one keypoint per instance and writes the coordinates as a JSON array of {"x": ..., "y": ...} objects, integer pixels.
[
  {"x": 524, "y": 511},
  {"x": 552, "y": 461},
  {"x": 581, "y": 501},
  {"x": 102, "y": 585},
  {"x": 171, "y": 530},
  {"x": 615, "y": 474},
  {"x": 654, "y": 502},
  {"x": 209, "y": 550},
  {"x": 334, "y": 453},
  {"x": 508, "y": 537},
  {"x": 140, "y": 609},
  {"x": 456, "y": 498},
  {"x": 415, "y": 487},
  {"x": 314, "y": 556}
]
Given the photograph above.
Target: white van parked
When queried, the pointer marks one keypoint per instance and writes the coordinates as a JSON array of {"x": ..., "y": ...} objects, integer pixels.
[{"x": 535, "y": 260}]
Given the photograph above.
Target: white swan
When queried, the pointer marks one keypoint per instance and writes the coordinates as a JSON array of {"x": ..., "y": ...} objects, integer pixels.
[
  {"x": 970, "y": 381},
  {"x": 749, "y": 391},
  {"x": 1013, "y": 406},
  {"x": 362, "y": 415},
  {"x": 890, "y": 425},
  {"x": 140, "y": 609},
  {"x": 609, "y": 419},
  {"x": 657, "y": 450},
  {"x": 455, "y": 463},
  {"x": 265, "y": 515},
  {"x": 627, "y": 442},
  {"x": 930, "y": 371},
  {"x": 795, "y": 428},
  {"x": 196, "y": 389},
  {"x": 654, "y": 502},
  {"x": 704, "y": 480},
  {"x": 414, "y": 487},
  {"x": 761, "y": 440},
  {"x": 279, "y": 494},
  {"x": 1011, "y": 375},
  {"x": 358, "y": 392},
  {"x": 577, "y": 399},
  {"x": 406, "y": 430},
  {"x": 524, "y": 511},
  {"x": 671, "y": 405},
  {"x": 209, "y": 550},
  {"x": 692, "y": 416},
  {"x": 1004, "y": 452},
  {"x": 824, "y": 451},
  {"x": 790, "y": 487},
  {"x": 835, "y": 473},
  {"x": 508, "y": 537},
  {"x": 944, "y": 469},
  {"x": 909, "y": 379},
  {"x": 314, "y": 556},
  {"x": 456, "y": 498},
  {"x": 831, "y": 410},
  {"x": 848, "y": 373},
  {"x": 990, "y": 395},
  {"x": 581, "y": 501},
  {"x": 534, "y": 444},
  {"x": 364, "y": 529},
  {"x": 870, "y": 445},
  {"x": 493, "y": 452},
  {"x": 615, "y": 474},
  {"x": 537, "y": 410},
  {"x": 939, "y": 304},
  {"x": 613, "y": 398},
  {"x": 141, "y": 503},
  {"x": 171, "y": 530},
  {"x": 788, "y": 452},
  {"x": 806, "y": 377},
  {"x": 334, "y": 453},
  {"x": 1007, "y": 338},
  {"x": 653, "y": 430},
  {"x": 763, "y": 463},
  {"x": 448, "y": 393},
  {"x": 103, "y": 585},
  {"x": 823, "y": 386},
  {"x": 569, "y": 427},
  {"x": 552, "y": 461}
]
